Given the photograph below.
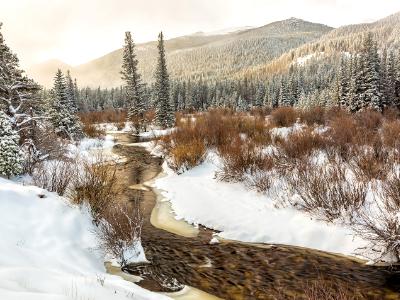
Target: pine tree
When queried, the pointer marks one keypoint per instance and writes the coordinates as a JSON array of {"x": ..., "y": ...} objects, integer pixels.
[
  {"x": 18, "y": 94},
  {"x": 260, "y": 95},
  {"x": 284, "y": 98},
  {"x": 10, "y": 154},
  {"x": 65, "y": 122},
  {"x": 164, "y": 113},
  {"x": 370, "y": 93},
  {"x": 355, "y": 102},
  {"x": 71, "y": 93},
  {"x": 133, "y": 84},
  {"x": 344, "y": 83}
]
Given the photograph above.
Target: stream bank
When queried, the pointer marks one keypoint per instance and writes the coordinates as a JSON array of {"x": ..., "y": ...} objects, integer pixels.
[{"x": 233, "y": 270}]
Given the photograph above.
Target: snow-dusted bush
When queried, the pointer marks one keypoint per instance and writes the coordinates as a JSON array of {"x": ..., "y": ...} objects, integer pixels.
[
  {"x": 55, "y": 176},
  {"x": 326, "y": 192},
  {"x": 95, "y": 184},
  {"x": 119, "y": 232},
  {"x": 379, "y": 222},
  {"x": 10, "y": 154}
]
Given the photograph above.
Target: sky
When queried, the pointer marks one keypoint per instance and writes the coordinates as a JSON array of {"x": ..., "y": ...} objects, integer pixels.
[{"x": 77, "y": 31}]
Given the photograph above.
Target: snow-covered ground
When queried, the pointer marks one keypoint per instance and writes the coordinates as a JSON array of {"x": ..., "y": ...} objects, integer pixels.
[
  {"x": 48, "y": 250},
  {"x": 240, "y": 214},
  {"x": 48, "y": 246}
]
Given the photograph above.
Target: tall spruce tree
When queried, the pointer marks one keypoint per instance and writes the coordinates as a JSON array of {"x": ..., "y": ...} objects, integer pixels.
[
  {"x": 133, "y": 84},
  {"x": 370, "y": 94},
  {"x": 71, "y": 92},
  {"x": 164, "y": 113},
  {"x": 65, "y": 122},
  {"x": 343, "y": 82}
]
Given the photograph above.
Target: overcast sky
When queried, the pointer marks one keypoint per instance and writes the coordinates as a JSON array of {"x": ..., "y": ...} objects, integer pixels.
[{"x": 76, "y": 31}]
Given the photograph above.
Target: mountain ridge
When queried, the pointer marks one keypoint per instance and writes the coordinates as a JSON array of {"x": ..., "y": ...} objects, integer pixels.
[{"x": 196, "y": 56}]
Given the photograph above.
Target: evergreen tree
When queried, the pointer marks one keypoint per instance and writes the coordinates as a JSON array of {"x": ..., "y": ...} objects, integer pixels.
[
  {"x": 65, "y": 122},
  {"x": 343, "y": 83},
  {"x": 18, "y": 94},
  {"x": 133, "y": 84},
  {"x": 71, "y": 93},
  {"x": 164, "y": 113},
  {"x": 370, "y": 93},
  {"x": 10, "y": 154},
  {"x": 284, "y": 98}
]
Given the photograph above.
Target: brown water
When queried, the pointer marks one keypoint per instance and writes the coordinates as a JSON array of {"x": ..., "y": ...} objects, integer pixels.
[{"x": 234, "y": 270}]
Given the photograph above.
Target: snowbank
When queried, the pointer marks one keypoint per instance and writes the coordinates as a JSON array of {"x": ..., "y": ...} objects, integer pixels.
[
  {"x": 240, "y": 214},
  {"x": 47, "y": 250}
]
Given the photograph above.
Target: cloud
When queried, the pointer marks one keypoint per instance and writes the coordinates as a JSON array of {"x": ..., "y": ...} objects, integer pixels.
[{"x": 76, "y": 31}]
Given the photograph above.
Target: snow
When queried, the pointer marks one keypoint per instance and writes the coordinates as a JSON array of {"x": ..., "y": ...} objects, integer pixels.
[
  {"x": 199, "y": 198},
  {"x": 284, "y": 132},
  {"x": 155, "y": 132},
  {"x": 94, "y": 148},
  {"x": 48, "y": 250},
  {"x": 301, "y": 61}
]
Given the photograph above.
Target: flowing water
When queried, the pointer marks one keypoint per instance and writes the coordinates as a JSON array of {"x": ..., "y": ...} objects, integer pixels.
[{"x": 184, "y": 262}]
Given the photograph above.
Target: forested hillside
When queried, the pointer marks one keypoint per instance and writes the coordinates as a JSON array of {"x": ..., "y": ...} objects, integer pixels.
[{"x": 199, "y": 55}]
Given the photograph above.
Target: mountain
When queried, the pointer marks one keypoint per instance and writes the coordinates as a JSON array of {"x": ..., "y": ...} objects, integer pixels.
[
  {"x": 332, "y": 44},
  {"x": 211, "y": 56},
  {"x": 44, "y": 72}
]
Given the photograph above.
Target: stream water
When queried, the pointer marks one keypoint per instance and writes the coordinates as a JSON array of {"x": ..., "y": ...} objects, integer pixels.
[{"x": 184, "y": 262}]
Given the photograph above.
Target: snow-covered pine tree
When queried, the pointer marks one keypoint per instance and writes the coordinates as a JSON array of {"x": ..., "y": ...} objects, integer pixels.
[
  {"x": 71, "y": 92},
  {"x": 65, "y": 122},
  {"x": 10, "y": 153},
  {"x": 260, "y": 94},
  {"x": 284, "y": 98},
  {"x": 397, "y": 81},
  {"x": 79, "y": 105},
  {"x": 18, "y": 94},
  {"x": 164, "y": 114},
  {"x": 370, "y": 93},
  {"x": 355, "y": 102},
  {"x": 133, "y": 84},
  {"x": 343, "y": 82}
]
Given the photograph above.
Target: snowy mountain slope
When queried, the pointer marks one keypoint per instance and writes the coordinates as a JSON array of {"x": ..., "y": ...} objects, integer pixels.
[
  {"x": 212, "y": 55},
  {"x": 48, "y": 250}
]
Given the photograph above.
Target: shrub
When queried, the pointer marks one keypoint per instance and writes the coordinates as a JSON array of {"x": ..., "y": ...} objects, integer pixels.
[
  {"x": 369, "y": 119},
  {"x": 241, "y": 159},
  {"x": 104, "y": 116},
  {"x": 186, "y": 156},
  {"x": 54, "y": 176},
  {"x": 370, "y": 163},
  {"x": 119, "y": 231},
  {"x": 92, "y": 131},
  {"x": 97, "y": 185},
  {"x": 301, "y": 144},
  {"x": 313, "y": 116},
  {"x": 284, "y": 116},
  {"x": 324, "y": 191},
  {"x": 391, "y": 134},
  {"x": 342, "y": 132}
]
